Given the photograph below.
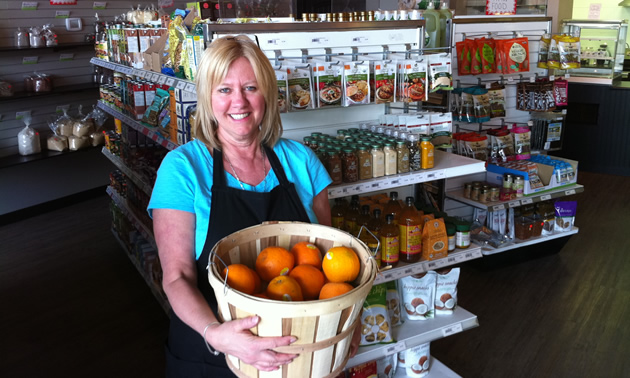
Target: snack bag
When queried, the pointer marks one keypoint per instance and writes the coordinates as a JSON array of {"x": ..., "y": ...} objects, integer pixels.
[
  {"x": 516, "y": 55},
  {"x": 475, "y": 61},
  {"x": 561, "y": 92},
  {"x": 384, "y": 82},
  {"x": 568, "y": 51},
  {"x": 553, "y": 56},
  {"x": 356, "y": 85},
  {"x": 415, "y": 81},
  {"x": 393, "y": 303},
  {"x": 497, "y": 97},
  {"x": 543, "y": 50},
  {"x": 418, "y": 361},
  {"x": 386, "y": 366},
  {"x": 486, "y": 48},
  {"x": 522, "y": 144},
  {"x": 565, "y": 215},
  {"x": 464, "y": 58},
  {"x": 375, "y": 322},
  {"x": 481, "y": 103},
  {"x": 300, "y": 88},
  {"x": 446, "y": 291},
  {"x": 418, "y": 295},
  {"x": 440, "y": 77},
  {"x": 434, "y": 240},
  {"x": 328, "y": 80},
  {"x": 28, "y": 138}
]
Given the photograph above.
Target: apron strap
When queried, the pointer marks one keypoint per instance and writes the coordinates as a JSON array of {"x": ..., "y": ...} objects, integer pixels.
[
  {"x": 276, "y": 166},
  {"x": 218, "y": 174}
]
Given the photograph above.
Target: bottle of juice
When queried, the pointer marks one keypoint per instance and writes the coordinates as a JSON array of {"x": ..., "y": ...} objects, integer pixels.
[
  {"x": 426, "y": 147},
  {"x": 393, "y": 206},
  {"x": 432, "y": 25},
  {"x": 410, "y": 226},
  {"x": 390, "y": 242},
  {"x": 351, "y": 216},
  {"x": 445, "y": 14},
  {"x": 338, "y": 214}
]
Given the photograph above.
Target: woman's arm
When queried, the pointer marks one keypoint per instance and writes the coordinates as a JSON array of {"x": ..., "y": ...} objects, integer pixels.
[
  {"x": 321, "y": 207},
  {"x": 175, "y": 234}
]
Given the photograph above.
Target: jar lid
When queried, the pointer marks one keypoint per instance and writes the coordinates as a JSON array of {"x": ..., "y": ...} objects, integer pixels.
[
  {"x": 348, "y": 149},
  {"x": 376, "y": 145},
  {"x": 426, "y": 139},
  {"x": 450, "y": 229},
  {"x": 362, "y": 147},
  {"x": 462, "y": 226}
]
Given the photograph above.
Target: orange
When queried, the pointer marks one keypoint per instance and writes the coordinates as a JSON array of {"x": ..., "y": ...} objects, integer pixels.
[
  {"x": 310, "y": 279},
  {"x": 284, "y": 288},
  {"x": 273, "y": 262},
  {"x": 334, "y": 289},
  {"x": 307, "y": 253},
  {"x": 240, "y": 277},
  {"x": 341, "y": 264}
]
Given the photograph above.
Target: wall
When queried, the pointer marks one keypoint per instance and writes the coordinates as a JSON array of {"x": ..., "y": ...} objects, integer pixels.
[{"x": 610, "y": 10}]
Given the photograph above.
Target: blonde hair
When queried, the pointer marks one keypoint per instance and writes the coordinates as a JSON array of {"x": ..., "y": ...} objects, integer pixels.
[{"x": 213, "y": 69}]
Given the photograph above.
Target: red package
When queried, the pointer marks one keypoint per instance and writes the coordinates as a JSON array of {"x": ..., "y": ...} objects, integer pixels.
[
  {"x": 486, "y": 48},
  {"x": 366, "y": 370},
  {"x": 561, "y": 92},
  {"x": 475, "y": 63},
  {"x": 516, "y": 54},
  {"x": 463, "y": 58}
]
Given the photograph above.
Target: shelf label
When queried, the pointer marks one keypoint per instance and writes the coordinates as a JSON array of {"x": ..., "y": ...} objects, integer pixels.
[
  {"x": 552, "y": 78},
  {"x": 432, "y": 265},
  {"x": 569, "y": 192},
  {"x": 514, "y": 204},
  {"x": 498, "y": 207},
  {"x": 170, "y": 81},
  {"x": 20, "y": 115},
  {"x": 99, "y": 5},
  {"x": 532, "y": 79},
  {"x": 180, "y": 84},
  {"x": 546, "y": 197},
  {"x": 418, "y": 268},
  {"x": 398, "y": 347},
  {"x": 190, "y": 87},
  {"x": 29, "y": 5},
  {"x": 66, "y": 57},
  {"x": 62, "y": 14},
  {"x": 527, "y": 201},
  {"x": 30, "y": 60},
  {"x": 456, "y": 328},
  {"x": 61, "y": 108},
  {"x": 155, "y": 77},
  {"x": 162, "y": 79},
  {"x": 408, "y": 271},
  {"x": 451, "y": 260},
  {"x": 469, "y": 256}
]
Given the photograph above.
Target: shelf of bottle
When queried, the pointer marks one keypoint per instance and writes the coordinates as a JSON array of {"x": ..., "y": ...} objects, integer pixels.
[
  {"x": 137, "y": 180},
  {"x": 157, "y": 293},
  {"x": 155, "y": 77},
  {"x": 486, "y": 251},
  {"x": 564, "y": 191},
  {"x": 150, "y": 132},
  {"x": 416, "y": 332},
  {"x": 406, "y": 269},
  {"x": 121, "y": 202},
  {"x": 447, "y": 165}
]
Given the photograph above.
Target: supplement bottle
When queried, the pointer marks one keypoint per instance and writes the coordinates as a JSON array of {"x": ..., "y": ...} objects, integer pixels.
[
  {"x": 410, "y": 227},
  {"x": 393, "y": 206},
  {"x": 390, "y": 242},
  {"x": 391, "y": 158},
  {"x": 427, "y": 153}
]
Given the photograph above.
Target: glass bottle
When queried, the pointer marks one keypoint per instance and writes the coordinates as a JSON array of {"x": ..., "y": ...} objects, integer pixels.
[
  {"x": 410, "y": 226},
  {"x": 351, "y": 217},
  {"x": 393, "y": 206},
  {"x": 415, "y": 157},
  {"x": 390, "y": 242},
  {"x": 333, "y": 167},
  {"x": 362, "y": 220},
  {"x": 365, "y": 163},
  {"x": 427, "y": 153},
  {"x": 374, "y": 225},
  {"x": 338, "y": 214},
  {"x": 378, "y": 161},
  {"x": 391, "y": 158},
  {"x": 402, "y": 157},
  {"x": 350, "y": 165}
]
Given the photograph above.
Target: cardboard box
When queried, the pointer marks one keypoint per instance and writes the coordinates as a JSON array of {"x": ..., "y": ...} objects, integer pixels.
[
  {"x": 185, "y": 96},
  {"x": 153, "y": 57},
  {"x": 494, "y": 175},
  {"x": 182, "y": 108}
]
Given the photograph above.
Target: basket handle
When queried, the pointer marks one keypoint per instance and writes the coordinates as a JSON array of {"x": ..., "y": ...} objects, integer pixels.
[
  {"x": 319, "y": 345},
  {"x": 227, "y": 273},
  {"x": 378, "y": 241}
]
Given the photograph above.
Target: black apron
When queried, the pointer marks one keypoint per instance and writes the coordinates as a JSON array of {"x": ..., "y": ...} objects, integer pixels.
[{"x": 231, "y": 210}]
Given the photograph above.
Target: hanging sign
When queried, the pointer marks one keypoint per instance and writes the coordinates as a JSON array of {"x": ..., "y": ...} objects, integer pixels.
[
  {"x": 63, "y": 2},
  {"x": 99, "y": 5},
  {"x": 500, "y": 7},
  {"x": 29, "y": 5}
]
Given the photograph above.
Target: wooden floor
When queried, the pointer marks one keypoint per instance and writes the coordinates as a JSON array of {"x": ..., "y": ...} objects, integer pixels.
[{"x": 72, "y": 305}]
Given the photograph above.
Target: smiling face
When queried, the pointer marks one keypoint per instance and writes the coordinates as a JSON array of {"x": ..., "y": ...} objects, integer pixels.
[{"x": 238, "y": 103}]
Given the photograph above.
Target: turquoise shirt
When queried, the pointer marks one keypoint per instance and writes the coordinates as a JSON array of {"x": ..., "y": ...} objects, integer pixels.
[{"x": 184, "y": 181}]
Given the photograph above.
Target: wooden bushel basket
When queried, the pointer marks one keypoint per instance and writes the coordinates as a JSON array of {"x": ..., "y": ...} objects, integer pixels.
[{"x": 323, "y": 327}]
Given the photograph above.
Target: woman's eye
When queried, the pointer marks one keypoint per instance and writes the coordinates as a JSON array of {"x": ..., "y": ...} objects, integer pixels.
[
  {"x": 224, "y": 90},
  {"x": 251, "y": 88}
]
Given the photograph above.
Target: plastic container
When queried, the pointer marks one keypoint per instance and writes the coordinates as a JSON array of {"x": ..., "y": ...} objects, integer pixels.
[
  {"x": 432, "y": 26},
  {"x": 410, "y": 226},
  {"x": 445, "y": 14},
  {"x": 523, "y": 227}
]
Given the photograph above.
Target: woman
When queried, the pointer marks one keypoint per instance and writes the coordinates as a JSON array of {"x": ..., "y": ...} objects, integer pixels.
[{"x": 237, "y": 173}]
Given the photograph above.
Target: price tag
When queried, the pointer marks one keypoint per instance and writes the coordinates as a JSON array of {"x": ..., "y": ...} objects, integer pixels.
[
  {"x": 388, "y": 276},
  {"x": 20, "y": 115},
  {"x": 170, "y": 81},
  {"x": 29, "y": 5},
  {"x": 154, "y": 136},
  {"x": 190, "y": 87},
  {"x": 162, "y": 79},
  {"x": 552, "y": 78},
  {"x": 408, "y": 271},
  {"x": 488, "y": 85},
  {"x": 376, "y": 185},
  {"x": 567, "y": 75},
  {"x": 61, "y": 108},
  {"x": 398, "y": 347},
  {"x": 569, "y": 192},
  {"x": 145, "y": 131},
  {"x": 527, "y": 201},
  {"x": 155, "y": 77},
  {"x": 62, "y": 14},
  {"x": 468, "y": 256},
  {"x": 514, "y": 204},
  {"x": 546, "y": 197},
  {"x": 498, "y": 207},
  {"x": 431, "y": 176},
  {"x": 418, "y": 268},
  {"x": 99, "y": 5},
  {"x": 532, "y": 79},
  {"x": 180, "y": 84},
  {"x": 451, "y": 260},
  {"x": 30, "y": 60},
  {"x": 66, "y": 57},
  {"x": 456, "y": 328},
  {"x": 432, "y": 265}
]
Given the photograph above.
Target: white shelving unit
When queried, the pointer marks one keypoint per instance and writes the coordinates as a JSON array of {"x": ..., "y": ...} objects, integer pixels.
[
  {"x": 413, "y": 333},
  {"x": 486, "y": 251},
  {"x": 437, "y": 370}
]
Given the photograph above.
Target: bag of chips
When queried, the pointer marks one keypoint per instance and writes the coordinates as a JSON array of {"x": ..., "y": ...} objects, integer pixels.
[{"x": 375, "y": 322}]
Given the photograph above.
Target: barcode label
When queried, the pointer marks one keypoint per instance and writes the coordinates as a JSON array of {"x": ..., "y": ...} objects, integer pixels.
[
  {"x": 515, "y": 204},
  {"x": 388, "y": 276},
  {"x": 527, "y": 201},
  {"x": 180, "y": 85},
  {"x": 398, "y": 347},
  {"x": 469, "y": 255},
  {"x": 432, "y": 265},
  {"x": 569, "y": 192},
  {"x": 170, "y": 81},
  {"x": 408, "y": 271},
  {"x": 451, "y": 260},
  {"x": 457, "y": 328},
  {"x": 498, "y": 207},
  {"x": 190, "y": 87},
  {"x": 545, "y": 197}
]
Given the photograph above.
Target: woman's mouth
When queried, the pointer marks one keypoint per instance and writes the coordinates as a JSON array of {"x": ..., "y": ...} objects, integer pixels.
[{"x": 239, "y": 116}]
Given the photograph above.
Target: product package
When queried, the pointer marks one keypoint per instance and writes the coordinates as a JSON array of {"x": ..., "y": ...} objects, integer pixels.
[
  {"x": 328, "y": 78},
  {"x": 386, "y": 366},
  {"x": 300, "y": 88},
  {"x": 414, "y": 80},
  {"x": 393, "y": 303},
  {"x": 418, "y": 295},
  {"x": 446, "y": 291},
  {"x": 28, "y": 138},
  {"x": 565, "y": 215},
  {"x": 497, "y": 97},
  {"x": 543, "y": 50},
  {"x": 375, "y": 322},
  {"x": 434, "y": 240},
  {"x": 356, "y": 81},
  {"x": 384, "y": 81},
  {"x": 281, "y": 80},
  {"x": 418, "y": 361},
  {"x": 522, "y": 147},
  {"x": 440, "y": 74}
]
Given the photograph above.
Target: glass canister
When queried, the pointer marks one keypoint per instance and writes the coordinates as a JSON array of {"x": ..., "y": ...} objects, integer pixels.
[
  {"x": 378, "y": 161},
  {"x": 415, "y": 156},
  {"x": 391, "y": 158},
  {"x": 402, "y": 152},
  {"x": 518, "y": 186},
  {"x": 365, "y": 162},
  {"x": 350, "y": 165},
  {"x": 333, "y": 166}
]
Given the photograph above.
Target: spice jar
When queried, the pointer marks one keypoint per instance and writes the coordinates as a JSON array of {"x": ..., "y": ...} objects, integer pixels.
[
  {"x": 475, "y": 192},
  {"x": 427, "y": 148},
  {"x": 483, "y": 195},
  {"x": 402, "y": 152},
  {"x": 450, "y": 233},
  {"x": 507, "y": 181},
  {"x": 414, "y": 154},
  {"x": 467, "y": 189},
  {"x": 333, "y": 166},
  {"x": 462, "y": 235},
  {"x": 365, "y": 163},
  {"x": 350, "y": 166},
  {"x": 391, "y": 158},
  {"x": 378, "y": 161},
  {"x": 494, "y": 194}
]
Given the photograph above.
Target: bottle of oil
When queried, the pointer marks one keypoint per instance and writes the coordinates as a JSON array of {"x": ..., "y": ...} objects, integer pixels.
[
  {"x": 363, "y": 219},
  {"x": 445, "y": 14},
  {"x": 393, "y": 206},
  {"x": 351, "y": 216},
  {"x": 432, "y": 25},
  {"x": 338, "y": 214},
  {"x": 390, "y": 242},
  {"x": 410, "y": 227}
]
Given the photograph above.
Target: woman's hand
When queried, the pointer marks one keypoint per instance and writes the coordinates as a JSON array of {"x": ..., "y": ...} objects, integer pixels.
[{"x": 235, "y": 338}]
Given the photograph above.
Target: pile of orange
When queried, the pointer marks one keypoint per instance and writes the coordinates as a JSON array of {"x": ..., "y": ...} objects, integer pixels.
[{"x": 301, "y": 274}]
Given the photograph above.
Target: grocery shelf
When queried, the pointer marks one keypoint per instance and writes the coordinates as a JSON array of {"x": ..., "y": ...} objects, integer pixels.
[
  {"x": 415, "y": 332},
  {"x": 486, "y": 251},
  {"x": 437, "y": 370},
  {"x": 121, "y": 202},
  {"x": 64, "y": 89},
  {"x": 156, "y": 292},
  {"x": 137, "y": 180},
  {"x": 447, "y": 165},
  {"x": 458, "y": 195},
  {"x": 58, "y": 47},
  {"x": 403, "y": 269},
  {"x": 145, "y": 130},
  {"x": 155, "y": 77}
]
